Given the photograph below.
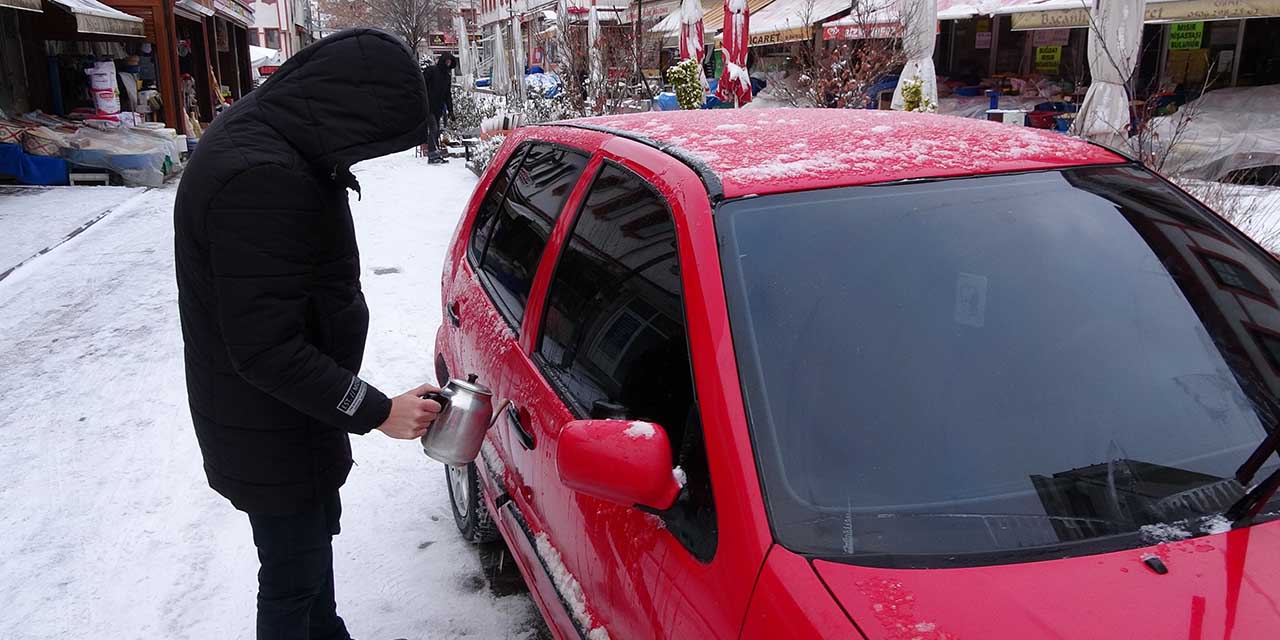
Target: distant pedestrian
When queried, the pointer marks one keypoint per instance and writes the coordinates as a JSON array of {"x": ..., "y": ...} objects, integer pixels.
[
  {"x": 439, "y": 81},
  {"x": 273, "y": 318}
]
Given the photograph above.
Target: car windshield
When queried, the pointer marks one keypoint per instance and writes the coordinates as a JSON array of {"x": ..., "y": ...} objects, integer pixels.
[{"x": 995, "y": 368}]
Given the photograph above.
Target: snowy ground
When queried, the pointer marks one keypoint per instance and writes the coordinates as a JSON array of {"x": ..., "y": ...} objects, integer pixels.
[
  {"x": 35, "y": 218},
  {"x": 108, "y": 529}
]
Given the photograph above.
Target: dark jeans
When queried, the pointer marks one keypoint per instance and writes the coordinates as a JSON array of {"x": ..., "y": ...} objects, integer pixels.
[
  {"x": 433, "y": 136},
  {"x": 295, "y": 581}
]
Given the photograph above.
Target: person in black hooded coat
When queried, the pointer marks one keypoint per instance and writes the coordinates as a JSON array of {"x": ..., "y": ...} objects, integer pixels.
[
  {"x": 439, "y": 81},
  {"x": 273, "y": 318}
]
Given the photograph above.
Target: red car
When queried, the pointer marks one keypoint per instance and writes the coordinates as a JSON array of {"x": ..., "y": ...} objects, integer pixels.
[{"x": 862, "y": 374}]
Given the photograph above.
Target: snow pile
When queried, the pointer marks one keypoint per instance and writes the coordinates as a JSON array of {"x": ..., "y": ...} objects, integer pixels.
[
  {"x": 568, "y": 587},
  {"x": 640, "y": 431},
  {"x": 492, "y": 460},
  {"x": 1163, "y": 532},
  {"x": 1215, "y": 525}
]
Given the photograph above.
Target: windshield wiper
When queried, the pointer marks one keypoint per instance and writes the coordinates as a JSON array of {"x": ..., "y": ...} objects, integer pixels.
[{"x": 1253, "y": 500}]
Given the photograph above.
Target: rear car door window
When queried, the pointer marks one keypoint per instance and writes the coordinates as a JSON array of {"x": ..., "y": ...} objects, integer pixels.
[
  {"x": 613, "y": 338},
  {"x": 523, "y": 222},
  {"x": 482, "y": 228}
]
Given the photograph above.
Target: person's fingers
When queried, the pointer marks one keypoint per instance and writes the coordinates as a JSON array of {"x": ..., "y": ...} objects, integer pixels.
[
  {"x": 423, "y": 388},
  {"x": 431, "y": 406}
]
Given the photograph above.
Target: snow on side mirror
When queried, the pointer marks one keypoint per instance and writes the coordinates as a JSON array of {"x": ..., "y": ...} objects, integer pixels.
[{"x": 622, "y": 461}]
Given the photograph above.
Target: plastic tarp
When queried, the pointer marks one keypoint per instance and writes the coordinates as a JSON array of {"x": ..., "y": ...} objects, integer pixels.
[
  {"x": 920, "y": 18},
  {"x": 517, "y": 54},
  {"x": 259, "y": 56},
  {"x": 29, "y": 169},
  {"x": 1221, "y": 132},
  {"x": 500, "y": 77},
  {"x": 1115, "y": 40},
  {"x": 140, "y": 158}
]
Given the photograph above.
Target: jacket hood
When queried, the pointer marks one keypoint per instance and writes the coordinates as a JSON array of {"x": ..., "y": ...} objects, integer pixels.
[
  {"x": 447, "y": 61},
  {"x": 355, "y": 95}
]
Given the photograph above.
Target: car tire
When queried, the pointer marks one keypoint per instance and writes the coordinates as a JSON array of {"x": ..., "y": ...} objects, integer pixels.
[{"x": 469, "y": 512}]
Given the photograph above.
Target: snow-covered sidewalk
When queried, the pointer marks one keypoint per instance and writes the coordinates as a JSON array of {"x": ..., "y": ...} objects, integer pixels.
[
  {"x": 33, "y": 219},
  {"x": 108, "y": 527}
]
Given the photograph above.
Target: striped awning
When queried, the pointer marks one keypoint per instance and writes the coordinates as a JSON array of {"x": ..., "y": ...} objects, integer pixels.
[{"x": 93, "y": 17}]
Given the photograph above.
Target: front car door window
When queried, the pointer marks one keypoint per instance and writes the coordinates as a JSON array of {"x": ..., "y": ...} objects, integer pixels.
[{"x": 613, "y": 339}]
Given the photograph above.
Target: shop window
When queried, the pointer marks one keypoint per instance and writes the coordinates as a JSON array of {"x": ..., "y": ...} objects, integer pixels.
[
  {"x": 272, "y": 37},
  {"x": 614, "y": 340},
  {"x": 523, "y": 222},
  {"x": 253, "y": 37}
]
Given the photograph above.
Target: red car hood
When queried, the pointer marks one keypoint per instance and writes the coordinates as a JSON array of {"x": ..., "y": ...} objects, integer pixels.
[{"x": 1217, "y": 587}]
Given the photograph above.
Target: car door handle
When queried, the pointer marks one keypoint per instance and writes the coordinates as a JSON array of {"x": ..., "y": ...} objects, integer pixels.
[
  {"x": 452, "y": 310},
  {"x": 526, "y": 437}
]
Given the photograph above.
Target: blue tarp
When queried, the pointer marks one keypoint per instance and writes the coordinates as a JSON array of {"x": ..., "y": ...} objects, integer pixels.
[{"x": 30, "y": 169}]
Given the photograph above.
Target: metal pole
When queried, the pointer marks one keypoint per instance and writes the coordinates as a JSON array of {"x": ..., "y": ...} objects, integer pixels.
[
  {"x": 1235, "y": 59},
  {"x": 995, "y": 44}
]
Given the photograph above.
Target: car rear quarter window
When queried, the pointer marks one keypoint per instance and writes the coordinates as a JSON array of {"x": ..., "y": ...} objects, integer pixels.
[{"x": 523, "y": 222}]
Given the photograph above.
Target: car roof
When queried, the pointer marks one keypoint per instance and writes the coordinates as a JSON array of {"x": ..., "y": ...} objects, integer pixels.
[{"x": 762, "y": 151}]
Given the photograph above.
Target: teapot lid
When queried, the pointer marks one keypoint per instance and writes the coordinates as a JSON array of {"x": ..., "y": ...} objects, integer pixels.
[{"x": 469, "y": 384}]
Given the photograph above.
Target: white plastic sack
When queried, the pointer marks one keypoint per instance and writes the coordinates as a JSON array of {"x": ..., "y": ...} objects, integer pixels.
[
  {"x": 102, "y": 83},
  {"x": 1115, "y": 40},
  {"x": 919, "y": 30}
]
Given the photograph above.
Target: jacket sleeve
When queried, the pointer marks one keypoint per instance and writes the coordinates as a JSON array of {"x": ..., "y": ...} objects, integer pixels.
[{"x": 262, "y": 228}]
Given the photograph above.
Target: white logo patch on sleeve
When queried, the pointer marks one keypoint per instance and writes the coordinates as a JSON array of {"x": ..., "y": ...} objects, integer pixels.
[{"x": 353, "y": 397}]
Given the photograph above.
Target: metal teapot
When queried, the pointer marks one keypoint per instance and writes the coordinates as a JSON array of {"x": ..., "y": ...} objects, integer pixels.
[{"x": 458, "y": 432}]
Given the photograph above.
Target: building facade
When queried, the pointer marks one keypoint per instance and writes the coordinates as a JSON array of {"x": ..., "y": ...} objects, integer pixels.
[{"x": 284, "y": 25}]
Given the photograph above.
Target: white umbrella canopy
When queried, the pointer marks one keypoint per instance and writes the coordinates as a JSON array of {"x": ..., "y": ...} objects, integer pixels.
[
  {"x": 259, "y": 56},
  {"x": 919, "y": 29},
  {"x": 500, "y": 78},
  {"x": 596, "y": 63},
  {"x": 517, "y": 49},
  {"x": 1115, "y": 40},
  {"x": 464, "y": 53}
]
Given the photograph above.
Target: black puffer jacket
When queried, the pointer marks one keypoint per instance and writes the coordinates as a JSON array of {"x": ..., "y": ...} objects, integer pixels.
[
  {"x": 439, "y": 80},
  {"x": 273, "y": 319}
]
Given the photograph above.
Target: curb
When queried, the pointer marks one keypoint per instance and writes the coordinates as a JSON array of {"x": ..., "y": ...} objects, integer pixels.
[{"x": 75, "y": 232}]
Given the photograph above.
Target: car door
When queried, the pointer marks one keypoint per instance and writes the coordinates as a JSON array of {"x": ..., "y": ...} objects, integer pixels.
[{"x": 612, "y": 342}]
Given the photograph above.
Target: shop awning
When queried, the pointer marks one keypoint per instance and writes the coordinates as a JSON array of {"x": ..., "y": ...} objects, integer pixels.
[
  {"x": 1059, "y": 14},
  {"x": 791, "y": 20},
  {"x": 234, "y": 11},
  {"x": 713, "y": 17},
  {"x": 194, "y": 8},
  {"x": 97, "y": 18},
  {"x": 22, "y": 5}
]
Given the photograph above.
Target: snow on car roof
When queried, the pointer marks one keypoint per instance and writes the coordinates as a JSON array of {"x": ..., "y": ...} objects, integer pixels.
[{"x": 759, "y": 151}]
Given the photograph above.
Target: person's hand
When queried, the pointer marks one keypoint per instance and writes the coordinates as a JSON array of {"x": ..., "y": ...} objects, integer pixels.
[{"x": 410, "y": 415}]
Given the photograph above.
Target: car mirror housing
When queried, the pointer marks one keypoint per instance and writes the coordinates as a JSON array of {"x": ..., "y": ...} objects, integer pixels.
[{"x": 623, "y": 461}]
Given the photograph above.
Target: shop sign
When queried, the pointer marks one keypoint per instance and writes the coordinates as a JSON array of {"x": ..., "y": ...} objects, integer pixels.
[
  {"x": 862, "y": 31},
  {"x": 1050, "y": 37},
  {"x": 267, "y": 70},
  {"x": 1186, "y": 35},
  {"x": 1156, "y": 12},
  {"x": 1048, "y": 59},
  {"x": 437, "y": 39},
  {"x": 538, "y": 55},
  {"x": 779, "y": 37}
]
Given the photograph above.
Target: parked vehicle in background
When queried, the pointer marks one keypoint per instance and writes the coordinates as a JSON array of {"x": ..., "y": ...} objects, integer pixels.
[{"x": 864, "y": 374}]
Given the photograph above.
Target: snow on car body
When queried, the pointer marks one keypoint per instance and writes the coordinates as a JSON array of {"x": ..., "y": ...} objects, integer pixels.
[{"x": 900, "y": 376}]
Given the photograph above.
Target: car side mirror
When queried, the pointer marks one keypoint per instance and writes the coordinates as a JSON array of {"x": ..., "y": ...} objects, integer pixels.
[{"x": 622, "y": 461}]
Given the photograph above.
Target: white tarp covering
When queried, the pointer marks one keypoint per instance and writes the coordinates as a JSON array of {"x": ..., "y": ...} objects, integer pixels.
[
  {"x": 259, "y": 56},
  {"x": 1223, "y": 131},
  {"x": 1115, "y": 40},
  {"x": 919, "y": 31},
  {"x": 791, "y": 20}
]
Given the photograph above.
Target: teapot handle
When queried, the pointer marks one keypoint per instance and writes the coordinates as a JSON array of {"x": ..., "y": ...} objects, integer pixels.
[{"x": 440, "y": 398}]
